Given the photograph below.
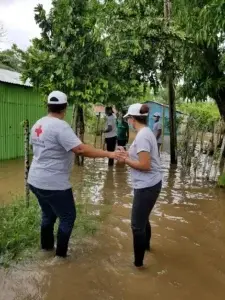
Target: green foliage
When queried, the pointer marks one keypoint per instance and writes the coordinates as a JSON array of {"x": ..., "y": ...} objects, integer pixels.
[
  {"x": 179, "y": 120},
  {"x": 203, "y": 114},
  {"x": 202, "y": 55},
  {"x": 221, "y": 180},
  {"x": 137, "y": 37},
  {"x": 72, "y": 55},
  {"x": 69, "y": 55},
  {"x": 12, "y": 59},
  {"x": 117, "y": 51},
  {"x": 20, "y": 227},
  {"x": 91, "y": 121},
  {"x": 5, "y": 67}
]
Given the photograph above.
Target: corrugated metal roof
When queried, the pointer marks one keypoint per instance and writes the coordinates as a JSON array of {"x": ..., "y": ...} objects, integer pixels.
[{"x": 13, "y": 78}]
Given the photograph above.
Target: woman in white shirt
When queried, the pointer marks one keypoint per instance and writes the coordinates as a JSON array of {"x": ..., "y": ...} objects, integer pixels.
[
  {"x": 110, "y": 132},
  {"x": 143, "y": 159}
]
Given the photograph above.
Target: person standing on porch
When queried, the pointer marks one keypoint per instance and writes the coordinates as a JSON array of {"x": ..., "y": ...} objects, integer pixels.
[
  {"x": 110, "y": 132},
  {"x": 157, "y": 129}
]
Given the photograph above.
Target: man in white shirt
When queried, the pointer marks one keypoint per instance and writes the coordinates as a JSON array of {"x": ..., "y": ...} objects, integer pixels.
[
  {"x": 54, "y": 145},
  {"x": 157, "y": 129},
  {"x": 110, "y": 132}
]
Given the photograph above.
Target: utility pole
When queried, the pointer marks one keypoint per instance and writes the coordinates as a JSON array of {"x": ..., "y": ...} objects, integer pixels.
[{"x": 171, "y": 91}]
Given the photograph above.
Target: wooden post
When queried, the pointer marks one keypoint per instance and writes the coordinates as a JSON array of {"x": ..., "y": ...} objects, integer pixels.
[
  {"x": 171, "y": 93},
  {"x": 198, "y": 158},
  {"x": 26, "y": 162},
  {"x": 80, "y": 128},
  {"x": 97, "y": 128},
  {"x": 219, "y": 159},
  {"x": 207, "y": 156},
  {"x": 163, "y": 128},
  {"x": 73, "y": 117}
]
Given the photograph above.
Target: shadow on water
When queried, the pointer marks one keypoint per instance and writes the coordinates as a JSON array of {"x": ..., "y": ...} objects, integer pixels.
[{"x": 187, "y": 260}]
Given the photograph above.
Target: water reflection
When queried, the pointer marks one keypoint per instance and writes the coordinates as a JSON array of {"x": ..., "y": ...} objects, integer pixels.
[{"x": 108, "y": 192}]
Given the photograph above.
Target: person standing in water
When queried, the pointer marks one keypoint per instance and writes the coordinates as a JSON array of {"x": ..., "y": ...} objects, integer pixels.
[
  {"x": 157, "y": 129},
  {"x": 122, "y": 131},
  {"x": 54, "y": 145},
  {"x": 110, "y": 133},
  {"x": 144, "y": 161}
]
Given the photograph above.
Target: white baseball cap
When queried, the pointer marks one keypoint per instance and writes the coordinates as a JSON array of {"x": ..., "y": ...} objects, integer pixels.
[
  {"x": 156, "y": 114},
  {"x": 134, "y": 110},
  {"x": 57, "y": 97}
]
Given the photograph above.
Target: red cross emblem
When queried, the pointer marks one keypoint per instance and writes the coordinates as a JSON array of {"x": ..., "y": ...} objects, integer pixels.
[{"x": 38, "y": 131}]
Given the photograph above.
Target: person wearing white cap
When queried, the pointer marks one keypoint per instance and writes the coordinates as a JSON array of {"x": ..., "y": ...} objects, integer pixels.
[
  {"x": 157, "y": 129},
  {"x": 144, "y": 161},
  {"x": 54, "y": 145}
]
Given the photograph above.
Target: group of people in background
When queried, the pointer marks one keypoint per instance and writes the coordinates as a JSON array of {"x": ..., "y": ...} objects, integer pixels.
[
  {"x": 117, "y": 131},
  {"x": 54, "y": 145}
]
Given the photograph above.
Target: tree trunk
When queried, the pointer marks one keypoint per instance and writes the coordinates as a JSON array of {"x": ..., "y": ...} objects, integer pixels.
[
  {"x": 97, "y": 129},
  {"x": 80, "y": 128},
  {"x": 171, "y": 91},
  {"x": 220, "y": 101},
  {"x": 73, "y": 117},
  {"x": 26, "y": 161},
  {"x": 172, "y": 114}
]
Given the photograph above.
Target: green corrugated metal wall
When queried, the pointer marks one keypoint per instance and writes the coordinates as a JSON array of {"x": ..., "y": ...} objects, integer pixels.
[{"x": 17, "y": 103}]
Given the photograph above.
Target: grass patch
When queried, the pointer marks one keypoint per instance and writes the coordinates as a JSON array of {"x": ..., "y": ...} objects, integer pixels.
[
  {"x": 20, "y": 229},
  {"x": 221, "y": 180}
]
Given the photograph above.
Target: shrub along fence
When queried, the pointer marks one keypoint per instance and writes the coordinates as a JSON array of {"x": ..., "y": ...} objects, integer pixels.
[{"x": 201, "y": 148}]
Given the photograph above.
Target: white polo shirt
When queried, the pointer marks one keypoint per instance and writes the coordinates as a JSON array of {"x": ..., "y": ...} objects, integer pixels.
[
  {"x": 111, "y": 121},
  {"x": 156, "y": 127}
]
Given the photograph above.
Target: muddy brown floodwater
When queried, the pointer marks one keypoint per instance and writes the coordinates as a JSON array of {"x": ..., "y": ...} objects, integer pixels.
[{"x": 188, "y": 257}]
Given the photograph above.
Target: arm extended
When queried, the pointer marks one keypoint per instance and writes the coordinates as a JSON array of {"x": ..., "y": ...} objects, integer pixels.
[
  {"x": 91, "y": 152},
  {"x": 142, "y": 164}
]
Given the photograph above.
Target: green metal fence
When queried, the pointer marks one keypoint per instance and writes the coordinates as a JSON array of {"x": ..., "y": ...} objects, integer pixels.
[{"x": 18, "y": 103}]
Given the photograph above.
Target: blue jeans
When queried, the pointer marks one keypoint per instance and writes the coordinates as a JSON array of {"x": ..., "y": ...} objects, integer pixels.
[
  {"x": 143, "y": 203},
  {"x": 56, "y": 204}
]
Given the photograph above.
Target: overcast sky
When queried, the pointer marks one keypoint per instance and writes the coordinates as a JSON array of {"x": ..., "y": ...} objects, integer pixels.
[{"x": 17, "y": 18}]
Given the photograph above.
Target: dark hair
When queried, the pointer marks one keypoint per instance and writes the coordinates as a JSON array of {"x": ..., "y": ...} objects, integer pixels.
[
  {"x": 56, "y": 108},
  {"x": 142, "y": 119},
  {"x": 109, "y": 110}
]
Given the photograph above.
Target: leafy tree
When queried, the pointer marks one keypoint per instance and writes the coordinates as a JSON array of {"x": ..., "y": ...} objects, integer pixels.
[
  {"x": 202, "y": 56},
  {"x": 68, "y": 56},
  {"x": 145, "y": 44},
  {"x": 137, "y": 36},
  {"x": 12, "y": 59},
  {"x": 71, "y": 55}
]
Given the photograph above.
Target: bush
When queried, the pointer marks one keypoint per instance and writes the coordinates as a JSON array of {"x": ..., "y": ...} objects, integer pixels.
[
  {"x": 221, "y": 180},
  {"x": 20, "y": 227},
  {"x": 203, "y": 113}
]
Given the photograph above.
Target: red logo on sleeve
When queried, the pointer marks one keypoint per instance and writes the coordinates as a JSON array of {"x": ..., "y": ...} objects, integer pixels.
[{"x": 38, "y": 131}]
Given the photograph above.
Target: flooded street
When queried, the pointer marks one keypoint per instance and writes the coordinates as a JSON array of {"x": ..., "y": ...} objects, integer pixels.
[{"x": 187, "y": 259}]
